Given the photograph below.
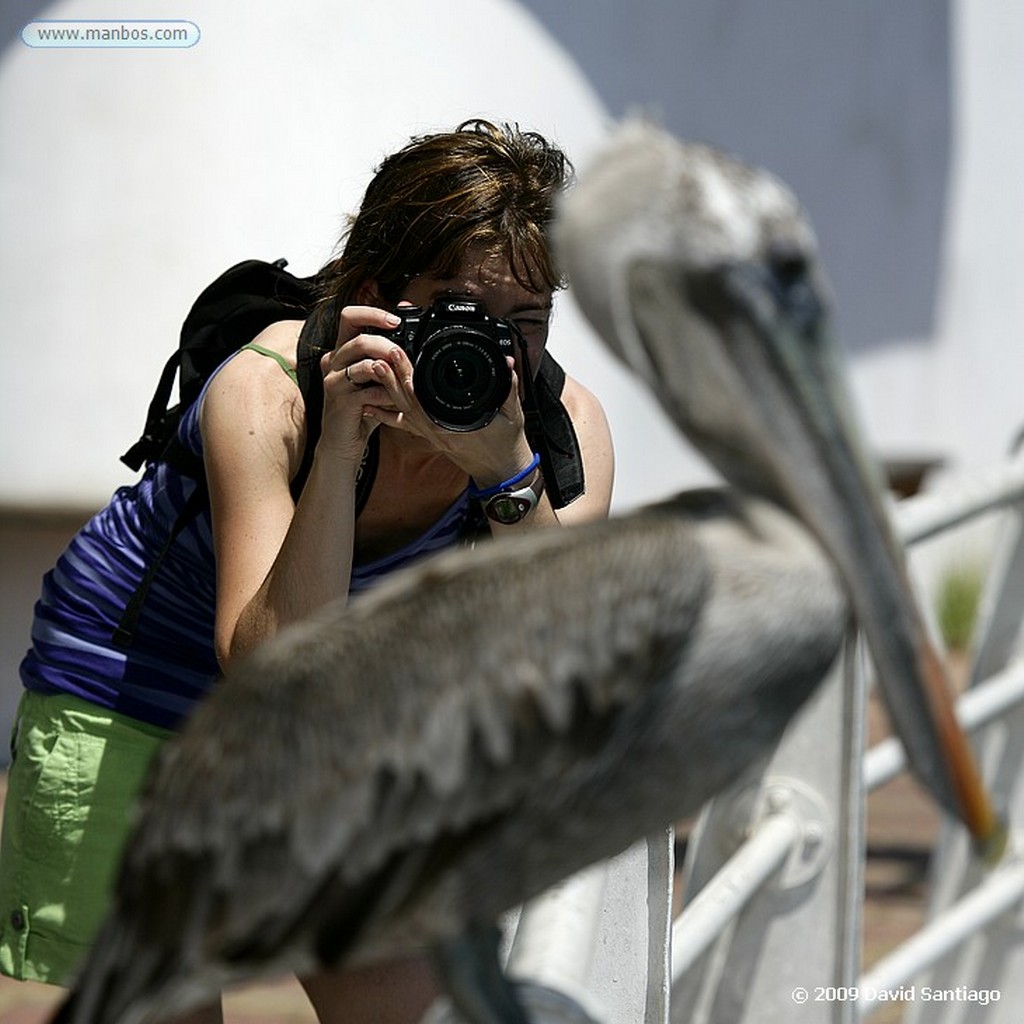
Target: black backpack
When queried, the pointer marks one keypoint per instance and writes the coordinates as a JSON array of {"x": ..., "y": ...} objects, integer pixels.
[{"x": 228, "y": 314}]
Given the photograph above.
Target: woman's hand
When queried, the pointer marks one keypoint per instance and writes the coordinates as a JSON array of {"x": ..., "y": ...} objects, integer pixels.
[
  {"x": 368, "y": 382},
  {"x": 354, "y": 388},
  {"x": 489, "y": 455}
]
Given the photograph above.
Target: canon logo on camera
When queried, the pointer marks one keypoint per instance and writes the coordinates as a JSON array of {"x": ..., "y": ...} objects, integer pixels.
[{"x": 461, "y": 307}]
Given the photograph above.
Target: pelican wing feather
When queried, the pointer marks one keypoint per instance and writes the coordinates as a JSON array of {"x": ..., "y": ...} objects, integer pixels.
[
  {"x": 455, "y": 742},
  {"x": 427, "y": 708}
]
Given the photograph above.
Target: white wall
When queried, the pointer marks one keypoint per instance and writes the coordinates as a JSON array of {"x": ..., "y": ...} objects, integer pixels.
[
  {"x": 129, "y": 178},
  {"x": 979, "y": 381}
]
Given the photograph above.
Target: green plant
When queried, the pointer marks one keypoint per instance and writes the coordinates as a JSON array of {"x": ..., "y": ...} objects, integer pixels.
[{"x": 957, "y": 599}]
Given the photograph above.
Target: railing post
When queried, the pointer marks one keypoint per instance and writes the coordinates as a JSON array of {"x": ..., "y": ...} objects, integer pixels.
[
  {"x": 594, "y": 949},
  {"x": 793, "y": 952}
]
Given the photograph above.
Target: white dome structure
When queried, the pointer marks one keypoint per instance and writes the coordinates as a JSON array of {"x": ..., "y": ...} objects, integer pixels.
[{"x": 132, "y": 176}]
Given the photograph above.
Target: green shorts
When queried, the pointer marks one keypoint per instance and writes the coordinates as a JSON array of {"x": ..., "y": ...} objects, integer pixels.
[{"x": 76, "y": 770}]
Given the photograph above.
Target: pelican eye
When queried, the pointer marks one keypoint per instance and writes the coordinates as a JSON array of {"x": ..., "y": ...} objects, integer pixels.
[
  {"x": 793, "y": 284},
  {"x": 788, "y": 264}
]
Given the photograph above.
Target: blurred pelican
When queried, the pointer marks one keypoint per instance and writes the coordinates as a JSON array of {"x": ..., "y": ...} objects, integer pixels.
[{"x": 393, "y": 775}]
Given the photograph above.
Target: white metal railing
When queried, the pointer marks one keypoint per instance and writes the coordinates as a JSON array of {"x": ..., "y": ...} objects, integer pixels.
[
  {"x": 774, "y": 869},
  {"x": 976, "y": 708},
  {"x": 993, "y": 897},
  {"x": 742, "y": 875},
  {"x": 973, "y": 902}
]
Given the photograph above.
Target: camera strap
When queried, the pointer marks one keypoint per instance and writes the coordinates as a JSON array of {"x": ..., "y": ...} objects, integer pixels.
[
  {"x": 533, "y": 421},
  {"x": 549, "y": 428}
]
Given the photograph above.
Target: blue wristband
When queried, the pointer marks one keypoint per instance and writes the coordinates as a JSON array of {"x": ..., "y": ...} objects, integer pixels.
[{"x": 505, "y": 485}]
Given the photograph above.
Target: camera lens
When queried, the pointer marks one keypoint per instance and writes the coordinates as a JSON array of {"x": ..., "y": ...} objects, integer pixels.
[{"x": 461, "y": 378}]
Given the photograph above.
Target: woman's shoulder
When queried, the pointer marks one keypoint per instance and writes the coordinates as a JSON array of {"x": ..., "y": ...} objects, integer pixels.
[
  {"x": 265, "y": 364},
  {"x": 581, "y": 403},
  {"x": 255, "y": 390},
  {"x": 281, "y": 337}
]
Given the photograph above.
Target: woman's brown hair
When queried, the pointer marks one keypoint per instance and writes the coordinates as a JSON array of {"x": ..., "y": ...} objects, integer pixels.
[{"x": 480, "y": 185}]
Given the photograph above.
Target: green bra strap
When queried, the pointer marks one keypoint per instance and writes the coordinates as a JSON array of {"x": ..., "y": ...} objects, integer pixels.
[{"x": 276, "y": 356}]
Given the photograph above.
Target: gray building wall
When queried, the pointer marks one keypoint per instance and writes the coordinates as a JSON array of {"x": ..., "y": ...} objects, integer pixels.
[{"x": 849, "y": 103}]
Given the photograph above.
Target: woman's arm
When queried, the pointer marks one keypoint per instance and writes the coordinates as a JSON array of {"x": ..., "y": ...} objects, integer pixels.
[
  {"x": 277, "y": 561},
  {"x": 251, "y": 423},
  {"x": 499, "y": 451}
]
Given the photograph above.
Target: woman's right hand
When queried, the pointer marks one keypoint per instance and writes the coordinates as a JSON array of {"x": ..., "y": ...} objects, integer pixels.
[{"x": 354, "y": 374}]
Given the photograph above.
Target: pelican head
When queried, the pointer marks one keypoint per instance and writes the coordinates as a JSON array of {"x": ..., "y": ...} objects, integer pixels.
[{"x": 702, "y": 275}]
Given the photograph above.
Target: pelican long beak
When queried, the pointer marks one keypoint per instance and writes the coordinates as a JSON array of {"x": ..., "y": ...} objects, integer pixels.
[
  {"x": 810, "y": 453},
  {"x": 702, "y": 274}
]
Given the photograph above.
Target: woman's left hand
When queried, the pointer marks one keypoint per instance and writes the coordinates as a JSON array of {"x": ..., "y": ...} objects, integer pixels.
[{"x": 489, "y": 455}]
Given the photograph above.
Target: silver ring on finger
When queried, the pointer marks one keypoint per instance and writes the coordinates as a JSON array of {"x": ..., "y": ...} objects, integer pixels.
[{"x": 355, "y": 384}]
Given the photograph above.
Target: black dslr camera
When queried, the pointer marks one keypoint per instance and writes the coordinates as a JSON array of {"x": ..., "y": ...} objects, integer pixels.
[{"x": 458, "y": 352}]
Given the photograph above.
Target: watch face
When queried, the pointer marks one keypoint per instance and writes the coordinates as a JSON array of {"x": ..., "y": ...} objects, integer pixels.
[{"x": 508, "y": 509}]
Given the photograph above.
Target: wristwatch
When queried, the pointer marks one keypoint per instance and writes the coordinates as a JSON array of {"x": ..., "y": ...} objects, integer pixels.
[{"x": 510, "y": 506}]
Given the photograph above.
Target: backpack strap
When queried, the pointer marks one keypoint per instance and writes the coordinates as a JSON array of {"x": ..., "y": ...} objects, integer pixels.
[
  {"x": 156, "y": 432},
  {"x": 316, "y": 339},
  {"x": 318, "y": 336}
]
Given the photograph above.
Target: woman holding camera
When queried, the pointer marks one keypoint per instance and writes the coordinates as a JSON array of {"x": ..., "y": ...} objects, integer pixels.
[{"x": 453, "y": 221}]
